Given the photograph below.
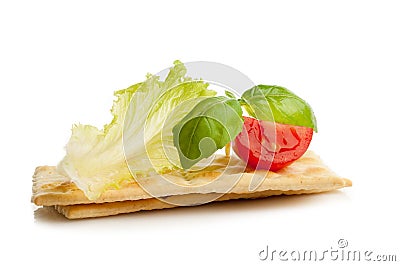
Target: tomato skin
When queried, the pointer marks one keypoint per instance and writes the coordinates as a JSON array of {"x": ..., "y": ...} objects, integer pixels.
[{"x": 271, "y": 146}]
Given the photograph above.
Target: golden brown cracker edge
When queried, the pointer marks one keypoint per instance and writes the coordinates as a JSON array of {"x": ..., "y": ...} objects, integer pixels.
[{"x": 94, "y": 210}]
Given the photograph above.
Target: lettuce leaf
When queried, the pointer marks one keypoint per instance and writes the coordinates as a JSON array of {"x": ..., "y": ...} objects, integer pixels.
[{"x": 139, "y": 138}]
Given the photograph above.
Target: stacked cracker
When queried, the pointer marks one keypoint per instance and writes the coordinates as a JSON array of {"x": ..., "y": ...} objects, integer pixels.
[{"x": 306, "y": 175}]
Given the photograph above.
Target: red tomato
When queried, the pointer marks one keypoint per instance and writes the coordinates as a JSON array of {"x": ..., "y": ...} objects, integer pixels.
[{"x": 271, "y": 146}]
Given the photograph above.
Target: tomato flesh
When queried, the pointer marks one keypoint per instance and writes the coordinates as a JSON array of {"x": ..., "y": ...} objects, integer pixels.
[{"x": 271, "y": 146}]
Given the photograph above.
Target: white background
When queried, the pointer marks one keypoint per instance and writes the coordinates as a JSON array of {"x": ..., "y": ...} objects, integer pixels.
[{"x": 61, "y": 62}]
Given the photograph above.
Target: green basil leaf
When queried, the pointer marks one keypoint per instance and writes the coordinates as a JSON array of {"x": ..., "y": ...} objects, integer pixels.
[
  {"x": 275, "y": 103},
  {"x": 209, "y": 126}
]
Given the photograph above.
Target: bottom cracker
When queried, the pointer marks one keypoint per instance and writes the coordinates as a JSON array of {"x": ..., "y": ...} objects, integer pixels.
[{"x": 113, "y": 208}]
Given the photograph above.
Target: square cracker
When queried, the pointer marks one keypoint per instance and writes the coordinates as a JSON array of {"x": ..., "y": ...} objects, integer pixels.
[
  {"x": 307, "y": 175},
  {"x": 80, "y": 211}
]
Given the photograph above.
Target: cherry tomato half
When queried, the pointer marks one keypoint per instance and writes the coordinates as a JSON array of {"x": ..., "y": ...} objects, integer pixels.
[{"x": 268, "y": 145}]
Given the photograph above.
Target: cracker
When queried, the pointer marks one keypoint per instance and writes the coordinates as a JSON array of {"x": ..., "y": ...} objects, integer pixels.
[
  {"x": 93, "y": 210},
  {"x": 306, "y": 174}
]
